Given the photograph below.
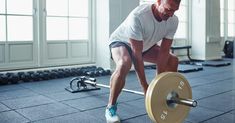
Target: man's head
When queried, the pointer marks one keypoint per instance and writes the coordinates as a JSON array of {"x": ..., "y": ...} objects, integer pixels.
[{"x": 167, "y": 8}]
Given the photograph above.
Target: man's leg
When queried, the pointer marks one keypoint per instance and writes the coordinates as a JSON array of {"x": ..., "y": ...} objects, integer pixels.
[
  {"x": 152, "y": 56},
  {"x": 123, "y": 63}
]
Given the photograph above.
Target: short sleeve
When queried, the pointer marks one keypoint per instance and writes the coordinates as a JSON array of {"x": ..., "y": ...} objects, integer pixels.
[
  {"x": 134, "y": 29},
  {"x": 172, "y": 28}
]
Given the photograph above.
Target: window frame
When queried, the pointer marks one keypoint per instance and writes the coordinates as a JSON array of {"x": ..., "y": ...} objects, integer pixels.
[
  {"x": 33, "y": 26},
  {"x": 226, "y": 22},
  {"x": 89, "y": 38}
]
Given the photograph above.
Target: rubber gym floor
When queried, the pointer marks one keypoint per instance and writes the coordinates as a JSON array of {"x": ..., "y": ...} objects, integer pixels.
[{"x": 48, "y": 102}]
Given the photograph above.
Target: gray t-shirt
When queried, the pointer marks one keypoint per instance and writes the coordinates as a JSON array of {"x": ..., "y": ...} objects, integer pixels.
[{"x": 141, "y": 25}]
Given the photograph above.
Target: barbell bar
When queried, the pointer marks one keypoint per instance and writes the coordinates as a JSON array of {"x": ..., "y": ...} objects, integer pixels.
[{"x": 177, "y": 100}]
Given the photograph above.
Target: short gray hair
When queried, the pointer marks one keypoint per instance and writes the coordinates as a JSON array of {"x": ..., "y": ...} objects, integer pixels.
[{"x": 177, "y": 1}]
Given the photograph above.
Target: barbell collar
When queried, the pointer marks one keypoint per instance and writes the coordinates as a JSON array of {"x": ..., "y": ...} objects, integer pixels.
[{"x": 181, "y": 101}]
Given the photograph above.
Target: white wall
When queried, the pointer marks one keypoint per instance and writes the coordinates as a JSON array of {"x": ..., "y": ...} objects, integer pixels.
[
  {"x": 198, "y": 29},
  {"x": 102, "y": 33},
  {"x": 206, "y": 29},
  {"x": 213, "y": 39}
]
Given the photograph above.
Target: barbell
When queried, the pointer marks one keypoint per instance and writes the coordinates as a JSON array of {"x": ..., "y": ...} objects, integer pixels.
[{"x": 168, "y": 98}]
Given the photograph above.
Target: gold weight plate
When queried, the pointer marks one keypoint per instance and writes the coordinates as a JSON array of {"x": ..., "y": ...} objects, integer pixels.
[{"x": 156, "y": 96}]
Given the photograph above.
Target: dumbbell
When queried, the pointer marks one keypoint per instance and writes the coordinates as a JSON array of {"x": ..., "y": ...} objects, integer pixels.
[
  {"x": 12, "y": 78},
  {"x": 3, "y": 79}
]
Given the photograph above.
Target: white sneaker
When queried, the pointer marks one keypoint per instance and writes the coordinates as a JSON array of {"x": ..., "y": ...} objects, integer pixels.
[{"x": 111, "y": 115}]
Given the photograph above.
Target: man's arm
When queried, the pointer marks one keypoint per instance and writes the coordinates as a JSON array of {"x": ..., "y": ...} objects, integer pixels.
[
  {"x": 137, "y": 47},
  {"x": 164, "y": 54}
]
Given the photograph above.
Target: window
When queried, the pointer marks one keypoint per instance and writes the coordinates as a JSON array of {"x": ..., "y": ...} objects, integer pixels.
[
  {"x": 2, "y": 21},
  {"x": 147, "y": 1},
  {"x": 227, "y": 18},
  {"x": 41, "y": 33},
  {"x": 3, "y": 28},
  {"x": 69, "y": 17},
  {"x": 16, "y": 20},
  {"x": 182, "y": 14},
  {"x": 231, "y": 18},
  {"x": 19, "y": 7},
  {"x": 2, "y": 6},
  {"x": 222, "y": 22}
]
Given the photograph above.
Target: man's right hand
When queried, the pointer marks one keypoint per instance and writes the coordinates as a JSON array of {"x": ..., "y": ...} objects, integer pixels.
[{"x": 145, "y": 88}]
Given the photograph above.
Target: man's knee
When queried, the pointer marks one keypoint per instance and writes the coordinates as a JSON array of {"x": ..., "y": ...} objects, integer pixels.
[
  {"x": 123, "y": 66},
  {"x": 174, "y": 60}
]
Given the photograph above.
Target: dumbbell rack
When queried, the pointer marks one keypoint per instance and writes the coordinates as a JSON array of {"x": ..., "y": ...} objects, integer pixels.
[{"x": 15, "y": 77}]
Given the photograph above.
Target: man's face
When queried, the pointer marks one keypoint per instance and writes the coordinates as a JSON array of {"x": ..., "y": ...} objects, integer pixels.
[{"x": 167, "y": 9}]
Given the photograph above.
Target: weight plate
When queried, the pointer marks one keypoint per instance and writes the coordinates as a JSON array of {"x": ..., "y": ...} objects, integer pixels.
[{"x": 156, "y": 98}]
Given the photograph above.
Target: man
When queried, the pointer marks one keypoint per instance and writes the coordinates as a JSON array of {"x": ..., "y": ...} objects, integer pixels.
[{"x": 135, "y": 41}]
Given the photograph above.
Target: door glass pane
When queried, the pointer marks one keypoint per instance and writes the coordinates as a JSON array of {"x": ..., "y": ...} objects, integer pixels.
[
  {"x": 222, "y": 29},
  {"x": 3, "y": 28},
  {"x": 231, "y": 16},
  {"x": 221, "y": 15},
  {"x": 19, "y": 7},
  {"x": 20, "y": 28},
  {"x": 2, "y": 6},
  {"x": 231, "y": 4},
  {"x": 181, "y": 30},
  {"x": 221, "y": 4},
  {"x": 231, "y": 30},
  {"x": 78, "y": 28},
  {"x": 183, "y": 2},
  {"x": 183, "y": 19},
  {"x": 78, "y": 8},
  {"x": 57, "y": 7},
  {"x": 182, "y": 13},
  {"x": 57, "y": 28}
]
